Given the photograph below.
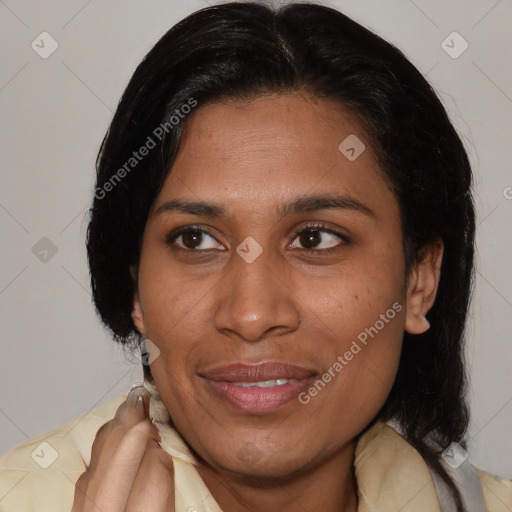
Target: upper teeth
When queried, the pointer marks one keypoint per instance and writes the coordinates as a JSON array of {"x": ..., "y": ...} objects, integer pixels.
[{"x": 264, "y": 383}]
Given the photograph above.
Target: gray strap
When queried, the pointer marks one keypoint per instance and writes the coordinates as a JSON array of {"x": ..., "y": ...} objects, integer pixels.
[
  {"x": 465, "y": 479},
  {"x": 444, "y": 496},
  {"x": 468, "y": 483}
]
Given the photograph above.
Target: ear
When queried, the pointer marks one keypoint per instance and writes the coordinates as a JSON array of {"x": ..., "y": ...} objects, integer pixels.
[
  {"x": 137, "y": 314},
  {"x": 422, "y": 287}
]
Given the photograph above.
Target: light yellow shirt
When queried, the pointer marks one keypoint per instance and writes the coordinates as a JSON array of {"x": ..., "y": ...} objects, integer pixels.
[{"x": 40, "y": 474}]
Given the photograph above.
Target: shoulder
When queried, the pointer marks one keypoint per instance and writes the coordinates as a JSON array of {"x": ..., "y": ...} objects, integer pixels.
[
  {"x": 497, "y": 491},
  {"x": 386, "y": 464},
  {"x": 40, "y": 474}
]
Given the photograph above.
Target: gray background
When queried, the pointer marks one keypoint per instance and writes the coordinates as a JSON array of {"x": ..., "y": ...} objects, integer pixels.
[{"x": 56, "y": 360}]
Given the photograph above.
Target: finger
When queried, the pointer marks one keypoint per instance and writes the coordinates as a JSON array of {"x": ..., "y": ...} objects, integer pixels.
[
  {"x": 153, "y": 487},
  {"x": 129, "y": 413},
  {"x": 110, "y": 488},
  {"x": 126, "y": 412},
  {"x": 80, "y": 492},
  {"x": 109, "y": 435}
]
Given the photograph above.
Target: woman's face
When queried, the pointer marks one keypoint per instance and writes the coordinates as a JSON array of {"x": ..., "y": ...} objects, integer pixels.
[{"x": 294, "y": 263}]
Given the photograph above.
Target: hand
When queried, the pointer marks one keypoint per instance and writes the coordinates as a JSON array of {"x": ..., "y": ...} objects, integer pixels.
[{"x": 129, "y": 471}]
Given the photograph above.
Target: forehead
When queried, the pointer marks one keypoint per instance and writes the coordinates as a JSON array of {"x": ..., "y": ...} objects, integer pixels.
[{"x": 271, "y": 149}]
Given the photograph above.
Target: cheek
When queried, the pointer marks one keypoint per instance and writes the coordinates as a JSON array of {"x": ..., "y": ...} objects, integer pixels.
[
  {"x": 358, "y": 317},
  {"x": 352, "y": 298},
  {"x": 177, "y": 310},
  {"x": 356, "y": 381},
  {"x": 369, "y": 377},
  {"x": 171, "y": 301}
]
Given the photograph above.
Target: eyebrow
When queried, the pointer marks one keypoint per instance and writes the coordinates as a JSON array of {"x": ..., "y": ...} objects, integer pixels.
[{"x": 296, "y": 205}]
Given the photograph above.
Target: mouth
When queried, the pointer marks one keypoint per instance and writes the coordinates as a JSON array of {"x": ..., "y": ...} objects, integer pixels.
[{"x": 257, "y": 388}]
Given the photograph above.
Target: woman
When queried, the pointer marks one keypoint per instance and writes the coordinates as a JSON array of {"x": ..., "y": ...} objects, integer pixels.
[{"x": 281, "y": 202}]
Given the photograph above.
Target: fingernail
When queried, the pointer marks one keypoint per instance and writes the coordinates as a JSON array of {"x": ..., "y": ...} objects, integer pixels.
[
  {"x": 136, "y": 395},
  {"x": 132, "y": 397}
]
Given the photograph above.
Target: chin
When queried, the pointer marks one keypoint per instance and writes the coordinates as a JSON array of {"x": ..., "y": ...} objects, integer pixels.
[
  {"x": 248, "y": 461},
  {"x": 263, "y": 470}
]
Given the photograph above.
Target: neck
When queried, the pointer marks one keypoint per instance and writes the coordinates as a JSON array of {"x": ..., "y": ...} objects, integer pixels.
[{"x": 327, "y": 487}]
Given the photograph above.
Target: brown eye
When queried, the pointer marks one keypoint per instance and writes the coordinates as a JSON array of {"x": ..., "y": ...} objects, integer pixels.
[
  {"x": 310, "y": 238},
  {"x": 191, "y": 239},
  {"x": 317, "y": 239}
]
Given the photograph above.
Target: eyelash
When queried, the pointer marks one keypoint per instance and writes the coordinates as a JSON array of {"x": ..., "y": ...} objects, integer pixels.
[{"x": 173, "y": 235}]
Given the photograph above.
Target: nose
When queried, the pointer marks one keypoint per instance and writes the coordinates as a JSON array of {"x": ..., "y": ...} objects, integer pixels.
[{"x": 256, "y": 301}]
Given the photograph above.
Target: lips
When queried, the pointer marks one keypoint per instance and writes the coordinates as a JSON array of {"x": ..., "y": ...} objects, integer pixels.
[
  {"x": 257, "y": 388},
  {"x": 239, "y": 372}
]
